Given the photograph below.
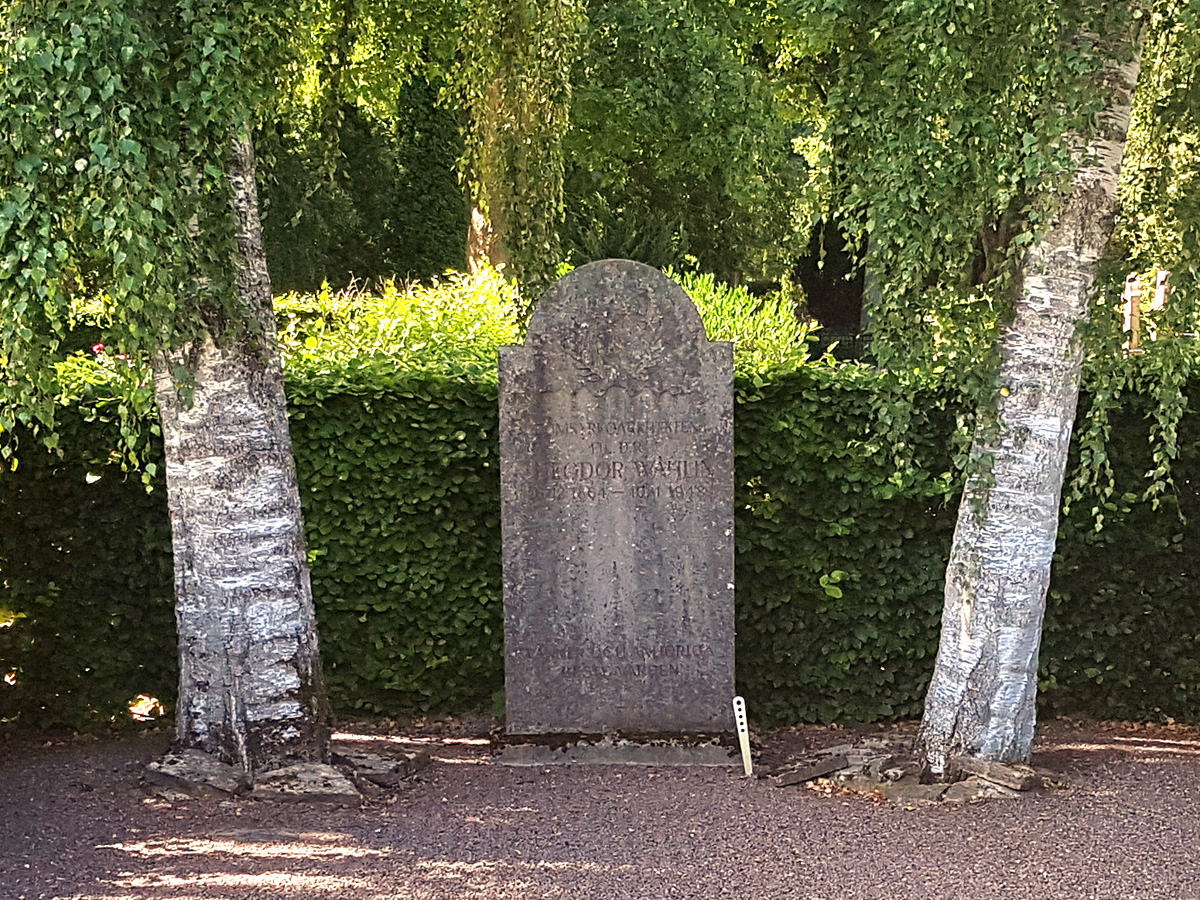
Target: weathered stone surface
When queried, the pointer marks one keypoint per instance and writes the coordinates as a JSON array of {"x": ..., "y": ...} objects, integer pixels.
[
  {"x": 1017, "y": 777},
  {"x": 618, "y": 752},
  {"x": 891, "y": 745},
  {"x": 307, "y": 783},
  {"x": 806, "y": 770},
  {"x": 876, "y": 766},
  {"x": 976, "y": 788},
  {"x": 909, "y": 788},
  {"x": 617, "y": 491},
  {"x": 838, "y": 750},
  {"x": 194, "y": 773},
  {"x": 385, "y": 770}
]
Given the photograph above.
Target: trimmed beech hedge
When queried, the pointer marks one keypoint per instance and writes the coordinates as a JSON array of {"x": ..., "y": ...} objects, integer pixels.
[
  {"x": 841, "y": 545},
  {"x": 401, "y": 491},
  {"x": 85, "y": 569}
]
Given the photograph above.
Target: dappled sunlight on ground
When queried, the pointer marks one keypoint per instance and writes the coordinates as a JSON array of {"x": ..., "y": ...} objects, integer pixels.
[
  {"x": 80, "y": 828},
  {"x": 498, "y": 866},
  {"x": 303, "y": 885},
  {"x": 305, "y": 847},
  {"x": 1142, "y": 748}
]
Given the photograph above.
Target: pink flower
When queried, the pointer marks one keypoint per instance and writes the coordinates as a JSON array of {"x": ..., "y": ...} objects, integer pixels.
[{"x": 97, "y": 349}]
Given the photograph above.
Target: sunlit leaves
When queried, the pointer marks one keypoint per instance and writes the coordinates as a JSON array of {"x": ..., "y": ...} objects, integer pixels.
[
  {"x": 945, "y": 119},
  {"x": 113, "y": 182},
  {"x": 514, "y": 83}
]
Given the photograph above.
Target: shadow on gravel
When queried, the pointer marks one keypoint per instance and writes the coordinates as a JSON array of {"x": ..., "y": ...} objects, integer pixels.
[{"x": 74, "y": 823}]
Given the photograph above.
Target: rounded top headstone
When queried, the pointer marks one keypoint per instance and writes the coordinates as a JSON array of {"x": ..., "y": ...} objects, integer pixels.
[
  {"x": 620, "y": 323},
  {"x": 618, "y": 289}
]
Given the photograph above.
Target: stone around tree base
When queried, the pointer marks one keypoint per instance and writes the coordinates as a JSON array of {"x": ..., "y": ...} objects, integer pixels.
[
  {"x": 893, "y": 770},
  {"x": 1009, "y": 775},
  {"x": 806, "y": 769},
  {"x": 383, "y": 770},
  {"x": 976, "y": 788},
  {"x": 193, "y": 773},
  {"x": 609, "y": 752},
  {"x": 909, "y": 788},
  {"x": 307, "y": 783}
]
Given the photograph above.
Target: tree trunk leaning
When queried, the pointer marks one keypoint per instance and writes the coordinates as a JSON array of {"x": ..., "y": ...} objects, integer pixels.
[
  {"x": 250, "y": 685},
  {"x": 981, "y": 701}
]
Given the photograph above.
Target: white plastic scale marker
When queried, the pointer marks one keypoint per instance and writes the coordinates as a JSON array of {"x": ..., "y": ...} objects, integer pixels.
[{"x": 743, "y": 729}]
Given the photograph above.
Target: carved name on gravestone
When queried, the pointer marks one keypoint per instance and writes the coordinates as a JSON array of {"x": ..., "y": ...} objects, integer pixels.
[{"x": 616, "y": 420}]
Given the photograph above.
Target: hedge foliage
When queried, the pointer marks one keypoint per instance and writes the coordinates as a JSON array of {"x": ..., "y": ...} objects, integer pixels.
[
  {"x": 401, "y": 490},
  {"x": 845, "y": 507},
  {"x": 87, "y": 610},
  {"x": 841, "y": 549}
]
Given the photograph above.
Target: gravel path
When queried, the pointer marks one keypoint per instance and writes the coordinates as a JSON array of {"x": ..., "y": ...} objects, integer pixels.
[{"x": 74, "y": 824}]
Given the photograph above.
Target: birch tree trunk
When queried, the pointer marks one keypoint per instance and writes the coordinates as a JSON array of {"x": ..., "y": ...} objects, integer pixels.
[
  {"x": 981, "y": 701},
  {"x": 250, "y": 685}
]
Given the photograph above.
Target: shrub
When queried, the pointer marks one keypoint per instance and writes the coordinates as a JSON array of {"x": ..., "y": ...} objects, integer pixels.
[{"x": 845, "y": 503}]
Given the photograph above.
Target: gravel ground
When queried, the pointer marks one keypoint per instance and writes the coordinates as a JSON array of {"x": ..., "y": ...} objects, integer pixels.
[{"x": 74, "y": 823}]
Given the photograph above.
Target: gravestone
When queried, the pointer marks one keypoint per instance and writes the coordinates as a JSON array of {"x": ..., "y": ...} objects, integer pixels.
[{"x": 616, "y": 423}]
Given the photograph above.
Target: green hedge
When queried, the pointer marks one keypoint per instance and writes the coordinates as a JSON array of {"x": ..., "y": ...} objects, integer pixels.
[
  {"x": 845, "y": 508},
  {"x": 839, "y": 566},
  {"x": 840, "y": 551},
  {"x": 85, "y": 566},
  {"x": 401, "y": 492},
  {"x": 1122, "y": 630}
]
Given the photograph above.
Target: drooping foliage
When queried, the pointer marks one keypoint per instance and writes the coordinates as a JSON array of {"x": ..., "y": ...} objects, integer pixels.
[
  {"x": 948, "y": 133},
  {"x": 119, "y": 119},
  {"x": 946, "y": 124},
  {"x": 361, "y": 158},
  {"x": 681, "y": 149},
  {"x": 1159, "y": 229},
  {"x": 389, "y": 206},
  {"x": 514, "y": 84}
]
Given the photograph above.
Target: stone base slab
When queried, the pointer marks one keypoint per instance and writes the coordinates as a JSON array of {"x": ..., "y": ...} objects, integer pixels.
[{"x": 615, "y": 752}]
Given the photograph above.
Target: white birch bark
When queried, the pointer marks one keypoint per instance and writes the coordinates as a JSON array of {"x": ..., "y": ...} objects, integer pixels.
[
  {"x": 250, "y": 686},
  {"x": 981, "y": 701}
]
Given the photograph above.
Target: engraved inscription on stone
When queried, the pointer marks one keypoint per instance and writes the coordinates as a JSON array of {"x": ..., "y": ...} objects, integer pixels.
[{"x": 616, "y": 420}]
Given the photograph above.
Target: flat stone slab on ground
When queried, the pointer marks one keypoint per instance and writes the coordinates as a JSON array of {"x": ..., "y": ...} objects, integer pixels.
[
  {"x": 194, "y": 773},
  {"x": 383, "y": 769},
  {"x": 806, "y": 770},
  {"x": 1010, "y": 775},
  {"x": 890, "y": 745},
  {"x": 838, "y": 750},
  {"x": 906, "y": 789},
  {"x": 307, "y": 783},
  {"x": 618, "y": 753}
]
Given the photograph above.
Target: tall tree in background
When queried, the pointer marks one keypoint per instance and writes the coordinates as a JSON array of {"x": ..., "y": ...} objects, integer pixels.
[
  {"x": 981, "y": 701},
  {"x": 129, "y": 177},
  {"x": 358, "y": 158},
  {"x": 515, "y": 87},
  {"x": 682, "y": 149}
]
